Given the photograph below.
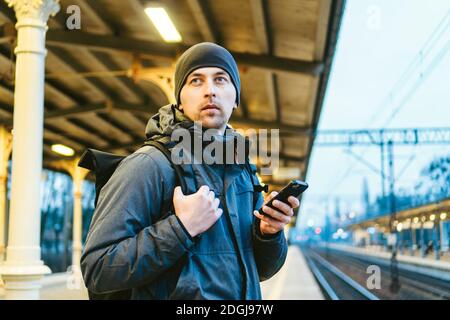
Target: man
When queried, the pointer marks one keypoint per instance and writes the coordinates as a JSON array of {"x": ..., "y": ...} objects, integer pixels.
[{"x": 147, "y": 236}]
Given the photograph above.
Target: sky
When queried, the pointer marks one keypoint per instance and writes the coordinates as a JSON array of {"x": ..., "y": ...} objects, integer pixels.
[{"x": 391, "y": 69}]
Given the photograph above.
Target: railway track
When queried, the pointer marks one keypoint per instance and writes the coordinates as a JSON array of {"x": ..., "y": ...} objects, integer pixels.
[
  {"x": 336, "y": 284},
  {"x": 343, "y": 276}
]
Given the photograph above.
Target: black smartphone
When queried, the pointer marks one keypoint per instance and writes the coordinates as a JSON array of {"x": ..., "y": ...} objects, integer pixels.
[{"x": 294, "y": 188}]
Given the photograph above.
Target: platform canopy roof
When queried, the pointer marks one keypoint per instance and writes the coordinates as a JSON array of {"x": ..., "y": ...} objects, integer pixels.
[{"x": 102, "y": 80}]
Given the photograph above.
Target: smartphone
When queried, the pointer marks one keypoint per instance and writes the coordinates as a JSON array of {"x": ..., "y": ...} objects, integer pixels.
[{"x": 294, "y": 188}]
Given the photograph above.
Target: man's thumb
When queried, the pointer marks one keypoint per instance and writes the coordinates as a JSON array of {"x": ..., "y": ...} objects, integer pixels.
[{"x": 178, "y": 194}]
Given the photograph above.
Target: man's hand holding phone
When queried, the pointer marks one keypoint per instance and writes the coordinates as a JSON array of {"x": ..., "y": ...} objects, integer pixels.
[
  {"x": 276, "y": 219},
  {"x": 277, "y": 210}
]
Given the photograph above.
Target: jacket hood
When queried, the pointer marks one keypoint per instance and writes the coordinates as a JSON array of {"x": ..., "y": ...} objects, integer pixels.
[
  {"x": 169, "y": 118},
  {"x": 165, "y": 122}
]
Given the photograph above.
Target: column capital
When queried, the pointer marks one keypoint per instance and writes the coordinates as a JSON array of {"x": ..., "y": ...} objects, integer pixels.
[
  {"x": 34, "y": 9},
  {"x": 72, "y": 168}
]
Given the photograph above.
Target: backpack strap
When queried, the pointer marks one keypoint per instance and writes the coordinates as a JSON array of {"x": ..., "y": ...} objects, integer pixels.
[{"x": 178, "y": 171}]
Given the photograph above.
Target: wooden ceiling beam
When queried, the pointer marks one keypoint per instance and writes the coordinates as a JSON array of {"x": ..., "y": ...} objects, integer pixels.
[
  {"x": 261, "y": 25},
  {"x": 150, "y": 109},
  {"x": 61, "y": 38},
  {"x": 203, "y": 16},
  {"x": 60, "y": 53},
  {"x": 103, "y": 58}
]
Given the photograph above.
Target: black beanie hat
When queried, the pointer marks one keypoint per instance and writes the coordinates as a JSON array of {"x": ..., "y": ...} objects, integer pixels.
[{"x": 201, "y": 55}]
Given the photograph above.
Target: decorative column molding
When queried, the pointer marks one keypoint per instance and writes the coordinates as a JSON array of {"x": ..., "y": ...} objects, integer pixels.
[{"x": 39, "y": 10}]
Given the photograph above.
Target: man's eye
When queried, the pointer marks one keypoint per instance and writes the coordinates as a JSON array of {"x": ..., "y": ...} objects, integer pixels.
[
  {"x": 195, "y": 81},
  {"x": 221, "y": 79}
]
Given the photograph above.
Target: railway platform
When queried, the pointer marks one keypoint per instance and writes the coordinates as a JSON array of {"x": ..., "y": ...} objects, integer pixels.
[{"x": 294, "y": 281}]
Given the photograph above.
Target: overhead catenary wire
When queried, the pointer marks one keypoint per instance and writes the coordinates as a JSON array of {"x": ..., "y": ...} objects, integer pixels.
[
  {"x": 424, "y": 75},
  {"x": 425, "y": 50}
]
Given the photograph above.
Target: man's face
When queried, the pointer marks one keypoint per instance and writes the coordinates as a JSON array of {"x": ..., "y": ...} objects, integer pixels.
[{"x": 208, "y": 96}]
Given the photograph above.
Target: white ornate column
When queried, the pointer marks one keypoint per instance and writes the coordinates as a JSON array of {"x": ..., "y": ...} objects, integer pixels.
[
  {"x": 23, "y": 267},
  {"x": 78, "y": 175},
  {"x": 5, "y": 151}
]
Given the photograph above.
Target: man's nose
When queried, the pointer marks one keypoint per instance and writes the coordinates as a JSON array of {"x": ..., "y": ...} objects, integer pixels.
[{"x": 210, "y": 88}]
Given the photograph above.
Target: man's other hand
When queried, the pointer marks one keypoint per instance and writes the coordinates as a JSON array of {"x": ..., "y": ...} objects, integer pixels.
[{"x": 198, "y": 211}]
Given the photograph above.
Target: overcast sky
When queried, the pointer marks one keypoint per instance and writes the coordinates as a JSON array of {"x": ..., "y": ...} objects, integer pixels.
[{"x": 391, "y": 69}]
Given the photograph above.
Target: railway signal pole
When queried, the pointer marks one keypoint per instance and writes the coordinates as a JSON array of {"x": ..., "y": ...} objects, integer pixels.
[{"x": 395, "y": 283}]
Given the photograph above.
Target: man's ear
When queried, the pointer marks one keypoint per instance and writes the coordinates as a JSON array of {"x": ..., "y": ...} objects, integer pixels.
[{"x": 180, "y": 107}]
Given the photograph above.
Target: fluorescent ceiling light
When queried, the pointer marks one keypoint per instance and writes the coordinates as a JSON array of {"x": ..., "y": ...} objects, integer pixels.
[
  {"x": 163, "y": 24},
  {"x": 63, "y": 150}
]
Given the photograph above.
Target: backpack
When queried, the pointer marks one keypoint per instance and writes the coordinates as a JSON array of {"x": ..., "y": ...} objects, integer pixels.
[{"x": 103, "y": 164}]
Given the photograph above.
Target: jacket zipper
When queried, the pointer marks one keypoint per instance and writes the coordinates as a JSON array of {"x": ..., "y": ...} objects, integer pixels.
[{"x": 236, "y": 243}]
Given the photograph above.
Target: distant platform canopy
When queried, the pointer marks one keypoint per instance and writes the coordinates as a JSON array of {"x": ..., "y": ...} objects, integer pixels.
[{"x": 416, "y": 217}]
